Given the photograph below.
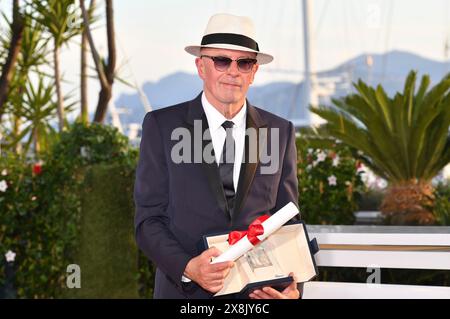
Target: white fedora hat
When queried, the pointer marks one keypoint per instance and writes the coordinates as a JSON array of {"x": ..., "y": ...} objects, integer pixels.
[{"x": 227, "y": 31}]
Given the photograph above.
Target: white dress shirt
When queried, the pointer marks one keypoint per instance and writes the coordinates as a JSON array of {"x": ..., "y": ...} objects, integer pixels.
[{"x": 218, "y": 134}]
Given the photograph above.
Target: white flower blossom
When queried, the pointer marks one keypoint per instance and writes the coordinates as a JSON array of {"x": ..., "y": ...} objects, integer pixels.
[
  {"x": 84, "y": 152},
  {"x": 308, "y": 168},
  {"x": 3, "y": 186},
  {"x": 310, "y": 150},
  {"x": 10, "y": 256},
  {"x": 4, "y": 172},
  {"x": 336, "y": 161},
  {"x": 382, "y": 183},
  {"x": 361, "y": 169},
  {"x": 321, "y": 157},
  {"x": 332, "y": 180}
]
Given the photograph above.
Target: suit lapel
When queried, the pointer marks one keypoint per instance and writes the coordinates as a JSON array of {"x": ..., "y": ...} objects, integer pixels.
[
  {"x": 249, "y": 165},
  {"x": 195, "y": 112},
  {"x": 213, "y": 174}
]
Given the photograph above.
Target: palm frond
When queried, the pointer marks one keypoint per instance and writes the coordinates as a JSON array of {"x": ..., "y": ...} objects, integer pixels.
[{"x": 402, "y": 138}]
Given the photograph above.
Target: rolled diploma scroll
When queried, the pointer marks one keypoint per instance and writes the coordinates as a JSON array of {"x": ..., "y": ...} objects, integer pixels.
[{"x": 272, "y": 224}]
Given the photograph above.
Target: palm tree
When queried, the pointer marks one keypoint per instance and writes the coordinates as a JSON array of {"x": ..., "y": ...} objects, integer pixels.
[
  {"x": 106, "y": 68},
  {"x": 33, "y": 54},
  {"x": 39, "y": 108},
  {"x": 17, "y": 26},
  {"x": 404, "y": 139},
  {"x": 84, "y": 67},
  {"x": 83, "y": 79},
  {"x": 62, "y": 21}
]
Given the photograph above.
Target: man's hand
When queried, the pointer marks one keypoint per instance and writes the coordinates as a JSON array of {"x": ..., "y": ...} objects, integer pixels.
[
  {"x": 291, "y": 292},
  {"x": 209, "y": 276}
]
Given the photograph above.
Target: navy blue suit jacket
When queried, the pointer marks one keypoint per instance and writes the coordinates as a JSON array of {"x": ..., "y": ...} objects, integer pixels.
[{"x": 177, "y": 204}]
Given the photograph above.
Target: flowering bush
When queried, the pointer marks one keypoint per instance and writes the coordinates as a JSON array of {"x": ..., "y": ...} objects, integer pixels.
[
  {"x": 22, "y": 226},
  {"x": 441, "y": 207},
  {"x": 329, "y": 184},
  {"x": 40, "y": 206}
]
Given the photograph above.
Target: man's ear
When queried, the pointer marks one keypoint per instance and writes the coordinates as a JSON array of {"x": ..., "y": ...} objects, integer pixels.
[
  {"x": 200, "y": 67},
  {"x": 254, "y": 72}
]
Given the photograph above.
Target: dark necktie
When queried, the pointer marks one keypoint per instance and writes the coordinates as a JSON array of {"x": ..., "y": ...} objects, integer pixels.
[{"x": 226, "y": 165}]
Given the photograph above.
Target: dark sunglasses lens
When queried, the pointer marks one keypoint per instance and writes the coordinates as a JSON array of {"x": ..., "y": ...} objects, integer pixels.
[
  {"x": 245, "y": 65},
  {"x": 222, "y": 63}
]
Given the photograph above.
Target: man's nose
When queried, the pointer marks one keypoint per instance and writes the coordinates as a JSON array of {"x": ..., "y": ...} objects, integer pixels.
[{"x": 233, "y": 68}]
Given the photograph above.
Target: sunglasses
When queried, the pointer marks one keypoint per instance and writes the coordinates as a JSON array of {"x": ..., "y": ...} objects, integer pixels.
[{"x": 222, "y": 63}]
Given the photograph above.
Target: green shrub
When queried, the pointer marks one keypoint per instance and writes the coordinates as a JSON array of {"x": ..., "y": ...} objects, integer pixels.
[
  {"x": 87, "y": 145},
  {"x": 20, "y": 218},
  {"x": 329, "y": 184},
  {"x": 107, "y": 252},
  {"x": 371, "y": 199},
  {"x": 441, "y": 207},
  {"x": 40, "y": 212}
]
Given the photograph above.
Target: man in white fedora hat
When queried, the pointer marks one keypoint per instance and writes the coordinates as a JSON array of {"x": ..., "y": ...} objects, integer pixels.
[{"x": 178, "y": 202}]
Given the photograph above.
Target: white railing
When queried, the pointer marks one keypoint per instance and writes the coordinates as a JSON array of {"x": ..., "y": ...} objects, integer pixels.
[{"x": 377, "y": 247}]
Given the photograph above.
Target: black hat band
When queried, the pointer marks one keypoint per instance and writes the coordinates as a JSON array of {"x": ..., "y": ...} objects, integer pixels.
[{"x": 230, "y": 38}]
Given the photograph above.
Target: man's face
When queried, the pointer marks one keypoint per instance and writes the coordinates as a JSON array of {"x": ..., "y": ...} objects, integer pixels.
[{"x": 229, "y": 86}]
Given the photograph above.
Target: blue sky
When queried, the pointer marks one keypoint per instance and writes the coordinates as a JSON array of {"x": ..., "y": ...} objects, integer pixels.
[
  {"x": 151, "y": 34},
  {"x": 154, "y": 32}
]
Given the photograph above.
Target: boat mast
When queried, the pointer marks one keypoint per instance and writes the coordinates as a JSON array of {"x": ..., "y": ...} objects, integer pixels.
[{"x": 309, "y": 84}]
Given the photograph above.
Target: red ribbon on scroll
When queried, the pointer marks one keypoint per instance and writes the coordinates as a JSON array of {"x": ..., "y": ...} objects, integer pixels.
[{"x": 255, "y": 229}]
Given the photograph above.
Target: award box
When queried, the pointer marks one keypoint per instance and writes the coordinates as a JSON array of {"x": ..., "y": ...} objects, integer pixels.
[{"x": 269, "y": 260}]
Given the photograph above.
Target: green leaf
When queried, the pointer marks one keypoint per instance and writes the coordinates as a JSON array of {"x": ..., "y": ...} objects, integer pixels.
[{"x": 403, "y": 137}]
